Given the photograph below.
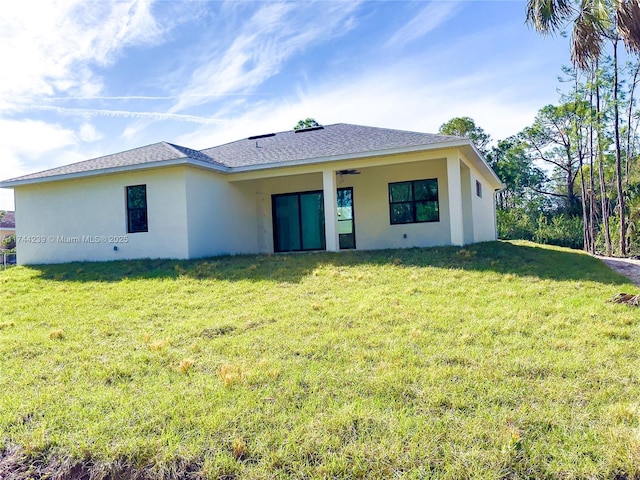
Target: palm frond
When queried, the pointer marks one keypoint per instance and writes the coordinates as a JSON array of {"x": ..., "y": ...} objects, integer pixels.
[
  {"x": 548, "y": 16},
  {"x": 601, "y": 12},
  {"x": 590, "y": 29},
  {"x": 586, "y": 45},
  {"x": 628, "y": 20}
]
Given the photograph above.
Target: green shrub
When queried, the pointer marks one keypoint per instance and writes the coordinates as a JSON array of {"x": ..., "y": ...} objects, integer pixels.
[
  {"x": 515, "y": 224},
  {"x": 561, "y": 230},
  {"x": 8, "y": 243}
]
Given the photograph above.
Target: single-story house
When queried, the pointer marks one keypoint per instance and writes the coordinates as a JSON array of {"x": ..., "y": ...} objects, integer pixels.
[
  {"x": 7, "y": 224},
  {"x": 322, "y": 188}
]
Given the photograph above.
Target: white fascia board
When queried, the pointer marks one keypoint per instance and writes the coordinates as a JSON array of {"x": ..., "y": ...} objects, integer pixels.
[{"x": 114, "y": 170}]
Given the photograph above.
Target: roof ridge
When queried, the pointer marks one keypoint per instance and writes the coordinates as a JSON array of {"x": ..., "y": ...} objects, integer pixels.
[
  {"x": 123, "y": 151},
  {"x": 174, "y": 147},
  {"x": 43, "y": 173},
  {"x": 98, "y": 158},
  {"x": 270, "y": 134},
  {"x": 457, "y": 137},
  {"x": 453, "y": 137},
  {"x": 194, "y": 154}
]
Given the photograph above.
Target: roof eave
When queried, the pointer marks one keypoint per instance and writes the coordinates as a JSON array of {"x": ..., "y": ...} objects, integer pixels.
[{"x": 113, "y": 170}]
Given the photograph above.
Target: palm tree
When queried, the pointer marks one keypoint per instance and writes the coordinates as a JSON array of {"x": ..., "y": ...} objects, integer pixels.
[{"x": 594, "y": 21}]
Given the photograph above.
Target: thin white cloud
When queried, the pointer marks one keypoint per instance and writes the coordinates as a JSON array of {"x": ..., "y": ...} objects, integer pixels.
[
  {"x": 393, "y": 97},
  {"x": 18, "y": 147},
  {"x": 93, "y": 112},
  {"x": 154, "y": 98},
  {"x": 51, "y": 51},
  {"x": 432, "y": 16},
  {"x": 272, "y": 34}
]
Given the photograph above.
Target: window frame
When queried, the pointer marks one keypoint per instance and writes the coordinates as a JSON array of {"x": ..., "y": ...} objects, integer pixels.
[
  {"x": 413, "y": 202},
  {"x": 130, "y": 210},
  {"x": 478, "y": 189}
]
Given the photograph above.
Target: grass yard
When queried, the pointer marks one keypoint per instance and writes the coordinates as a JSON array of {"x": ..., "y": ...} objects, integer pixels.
[{"x": 501, "y": 360}]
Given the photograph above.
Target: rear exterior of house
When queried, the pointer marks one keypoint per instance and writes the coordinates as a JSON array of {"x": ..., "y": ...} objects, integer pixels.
[{"x": 332, "y": 188}]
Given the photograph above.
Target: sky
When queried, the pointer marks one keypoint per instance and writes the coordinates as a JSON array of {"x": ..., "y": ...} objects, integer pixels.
[{"x": 84, "y": 79}]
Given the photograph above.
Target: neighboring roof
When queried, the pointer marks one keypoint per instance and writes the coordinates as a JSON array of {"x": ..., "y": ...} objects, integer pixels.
[
  {"x": 316, "y": 143},
  {"x": 306, "y": 146},
  {"x": 8, "y": 220}
]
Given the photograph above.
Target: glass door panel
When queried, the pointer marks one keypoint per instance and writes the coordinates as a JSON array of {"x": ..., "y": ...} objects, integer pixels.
[
  {"x": 286, "y": 221},
  {"x": 312, "y": 214},
  {"x": 346, "y": 226}
]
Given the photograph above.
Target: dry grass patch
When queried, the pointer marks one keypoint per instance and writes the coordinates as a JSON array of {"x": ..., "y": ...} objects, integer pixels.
[
  {"x": 185, "y": 365},
  {"x": 56, "y": 334}
]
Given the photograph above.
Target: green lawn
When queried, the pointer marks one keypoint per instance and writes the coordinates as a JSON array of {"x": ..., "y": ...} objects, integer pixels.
[{"x": 499, "y": 360}]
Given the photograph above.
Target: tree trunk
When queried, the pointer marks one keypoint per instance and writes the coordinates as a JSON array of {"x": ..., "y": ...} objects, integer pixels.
[
  {"x": 591, "y": 221},
  {"x": 586, "y": 244},
  {"x": 621, "y": 206},
  {"x": 585, "y": 217},
  {"x": 571, "y": 197},
  {"x": 629, "y": 153},
  {"x": 603, "y": 186}
]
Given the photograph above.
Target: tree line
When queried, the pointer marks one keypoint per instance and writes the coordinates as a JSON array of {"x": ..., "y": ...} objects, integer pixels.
[{"x": 571, "y": 177}]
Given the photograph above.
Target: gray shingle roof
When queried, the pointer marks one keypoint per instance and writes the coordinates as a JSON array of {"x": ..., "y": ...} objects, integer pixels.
[
  {"x": 156, "y": 152},
  {"x": 262, "y": 151},
  {"x": 330, "y": 141}
]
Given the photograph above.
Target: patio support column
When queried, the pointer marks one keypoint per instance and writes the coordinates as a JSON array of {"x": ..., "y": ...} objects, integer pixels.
[
  {"x": 454, "y": 187},
  {"x": 330, "y": 210}
]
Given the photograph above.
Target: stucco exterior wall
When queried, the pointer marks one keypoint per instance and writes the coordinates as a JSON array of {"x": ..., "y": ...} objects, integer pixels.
[
  {"x": 262, "y": 190},
  {"x": 468, "y": 185},
  {"x": 371, "y": 204},
  {"x": 484, "y": 215},
  {"x": 84, "y": 219},
  {"x": 221, "y": 216}
]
